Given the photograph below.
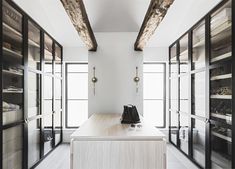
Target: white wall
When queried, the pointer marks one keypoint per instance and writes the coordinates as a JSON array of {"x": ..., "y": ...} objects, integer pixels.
[{"x": 115, "y": 62}]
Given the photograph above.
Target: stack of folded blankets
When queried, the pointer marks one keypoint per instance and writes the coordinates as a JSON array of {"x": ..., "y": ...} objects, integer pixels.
[{"x": 10, "y": 107}]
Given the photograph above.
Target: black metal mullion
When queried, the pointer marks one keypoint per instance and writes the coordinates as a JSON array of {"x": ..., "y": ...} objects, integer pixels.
[
  {"x": 25, "y": 84},
  {"x": 190, "y": 54},
  {"x": 178, "y": 92},
  {"x": 42, "y": 94},
  {"x": 207, "y": 97},
  {"x": 233, "y": 84},
  {"x": 1, "y": 86}
]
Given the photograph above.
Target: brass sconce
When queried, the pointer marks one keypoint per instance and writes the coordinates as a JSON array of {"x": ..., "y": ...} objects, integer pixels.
[
  {"x": 94, "y": 80},
  {"x": 137, "y": 79}
]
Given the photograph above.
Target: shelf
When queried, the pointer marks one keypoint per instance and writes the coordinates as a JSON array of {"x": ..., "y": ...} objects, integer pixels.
[
  {"x": 12, "y": 53},
  {"x": 223, "y": 27},
  {"x": 199, "y": 43},
  {"x": 221, "y": 57},
  {"x": 221, "y": 96},
  {"x": 12, "y": 29},
  {"x": 221, "y": 116},
  {"x": 12, "y": 92},
  {"x": 12, "y": 73},
  {"x": 229, "y": 139},
  {"x": 32, "y": 43},
  {"x": 220, "y": 77}
]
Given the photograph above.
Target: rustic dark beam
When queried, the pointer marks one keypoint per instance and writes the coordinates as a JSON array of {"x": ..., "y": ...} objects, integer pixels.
[
  {"x": 77, "y": 13},
  {"x": 155, "y": 14}
]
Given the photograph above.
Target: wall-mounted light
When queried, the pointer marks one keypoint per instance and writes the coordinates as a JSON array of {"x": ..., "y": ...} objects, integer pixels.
[
  {"x": 137, "y": 79},
  {"x": 94, "y": 80}
]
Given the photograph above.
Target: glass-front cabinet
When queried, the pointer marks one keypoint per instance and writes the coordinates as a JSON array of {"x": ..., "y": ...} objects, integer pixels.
[
  {"x": 201, "y": 83},
  {"x": 221, "y": 87},
  {"x": 31, "y": 93}
]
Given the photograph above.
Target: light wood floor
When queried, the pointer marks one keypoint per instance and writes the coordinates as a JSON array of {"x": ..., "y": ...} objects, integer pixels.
[{"x": 59, "y": 159}]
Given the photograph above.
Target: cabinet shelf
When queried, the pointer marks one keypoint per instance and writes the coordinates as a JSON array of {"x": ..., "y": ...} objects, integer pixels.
[
  {"x": 32, "y": 43},
  {"x": 221, "y": 57},
  {"x": 220, "y": 77},
  {"x": 221, "y": 96},
  {"x": 12, "y": 53},
  {"x": 12, "y": 73},
  {"x": 221, "y": 116},
  {"x": 229, "y": 139},
  {"x": 12, "y": 92},
  {"x": 7, "y": 27}
]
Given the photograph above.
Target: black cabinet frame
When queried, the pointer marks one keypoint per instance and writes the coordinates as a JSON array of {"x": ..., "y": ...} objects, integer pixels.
[
  {"x": 207, "y": 119},
  {"x": 25, "y": 20}
]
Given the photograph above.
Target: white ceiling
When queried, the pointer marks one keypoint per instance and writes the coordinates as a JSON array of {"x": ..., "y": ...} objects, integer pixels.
[{"x": 116, "y": 16}]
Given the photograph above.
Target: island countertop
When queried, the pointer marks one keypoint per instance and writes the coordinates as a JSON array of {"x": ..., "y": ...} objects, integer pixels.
[{"x": 101, "y": 126}]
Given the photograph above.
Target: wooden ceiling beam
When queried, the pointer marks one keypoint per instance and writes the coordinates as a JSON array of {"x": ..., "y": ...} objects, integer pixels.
[
  {"x": 77, "y": 14},
  {"x": 155, "y": 14}
]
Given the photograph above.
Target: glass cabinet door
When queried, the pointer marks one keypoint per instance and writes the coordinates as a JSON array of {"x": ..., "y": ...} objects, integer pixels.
[
  {"x": 198, "y": 94},
  {"x": 184, "y": 132},
  {"x": 48, "y": 54},
  {"x": 173, "y": 61},
  {"x": 12, "y": 65},
  {"x": 221, "y": 146},
  {"x": 12, "y": 154},
  {"x": 34, "y": 94},
  {"x": 221, "y": 34},
  {"x": 198, "y": 40},
  {"x": 174, "y": 127},
  {"x": 58, "y": 61},
  {"x": 183, "y": 56},
  {"x": 48, "y": 134},
  {"x": 34, "y": 57},
  {"x": 199, "y": 141},
  {"x": 184, "y": 94},
  {"x": 34, "y": 135}
]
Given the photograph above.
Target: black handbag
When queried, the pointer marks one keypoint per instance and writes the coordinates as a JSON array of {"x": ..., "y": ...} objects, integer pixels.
[{"x": 130, "y": 115}]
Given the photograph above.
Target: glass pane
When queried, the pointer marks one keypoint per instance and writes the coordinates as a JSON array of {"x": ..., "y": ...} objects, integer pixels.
[
  {"x": 199, "y": 141},
  {"x": 221, "y": 33},
  {"x": 48, "y": 134},
  {"x": 198, "y": 60},
  {"x": 48, "y": 89},
  {"x": 198, "y": 94},
  {"x": 153, "y": 67},
  {"x": 173, "y": 62},
  {"x": 58, "y": 127},
  {"x": 72, "y": 68},
  {"x": 221, "y": 144},
  {"x": 77, "y": 112},
  {"x": 12, "y": 97},
  {"x": 58, "y": 95},
  {"x": 48, "y": 57},
  {"x": 34, "y": 96},
  {"x": 154, "y": 112},
  {"x": 58, "y": 60},
  {"x": 12, "y": 147},
  {"x": 33, "y": 142},
  {"x": 34, "y": 46},
  {"x": 183, "y": 58},
  {"x": 184, "y": 132},
  {"x": 12, "y": 37},
  {"x": 77, "y": 85},
  {"x": 174, "y": 126},
  {"x": 153, "y": 85},
  {"x": 174, "y": 94},
  {"x": 184, "y": 93}
]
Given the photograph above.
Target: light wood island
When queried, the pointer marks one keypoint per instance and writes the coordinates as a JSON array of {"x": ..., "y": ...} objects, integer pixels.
[{"x": 102, "y": 142}]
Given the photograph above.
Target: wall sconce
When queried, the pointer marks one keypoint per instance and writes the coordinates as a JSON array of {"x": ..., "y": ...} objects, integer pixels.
[
  {"x": 94, "y": 80},
  {"x": 137, "y": 79}
]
